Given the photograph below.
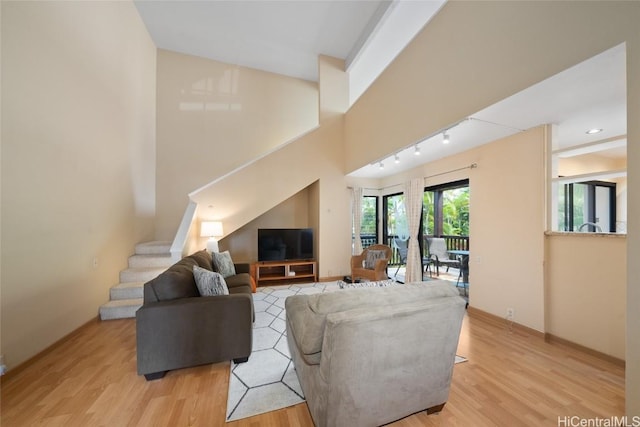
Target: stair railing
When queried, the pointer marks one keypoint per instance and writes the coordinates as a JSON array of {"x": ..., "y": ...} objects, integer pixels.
[{"x": 181, "y": 240}]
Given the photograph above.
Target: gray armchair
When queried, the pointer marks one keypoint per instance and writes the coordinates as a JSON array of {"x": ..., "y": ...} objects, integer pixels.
[{"x": 370, "y": 356}]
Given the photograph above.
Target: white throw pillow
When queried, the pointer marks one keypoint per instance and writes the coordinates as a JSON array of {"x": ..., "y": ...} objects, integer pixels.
[{"x": 209, "y": 282}]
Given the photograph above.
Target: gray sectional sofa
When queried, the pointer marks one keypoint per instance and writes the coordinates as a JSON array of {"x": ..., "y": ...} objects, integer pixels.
[
  {"x": 178, "y": 328},
  {"x": 370, "y": 356}
]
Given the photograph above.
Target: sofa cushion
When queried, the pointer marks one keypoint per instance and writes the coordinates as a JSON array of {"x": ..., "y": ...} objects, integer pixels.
[
  {"x": 203, "y": 259},
  {"x": 308, "y": 312},
  {"x": 223, "y": 264},
  {"x": 176, "y": 282},
  {"x": 209, "y": 283}
]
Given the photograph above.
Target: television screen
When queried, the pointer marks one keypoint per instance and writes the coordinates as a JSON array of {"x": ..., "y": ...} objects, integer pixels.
[{"x": 280, "y": 244}]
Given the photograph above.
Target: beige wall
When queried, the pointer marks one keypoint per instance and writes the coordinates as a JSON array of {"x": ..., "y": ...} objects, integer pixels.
[
  {"x": 78, "y": 114},
  {"x": 588, "y": 163},
  {"x": 506, "y": 228},
  {"x": 315, "y": 159},
  {"x": 492, "y": 50},
  {"x": 292, "y": 213},
  {"x": 224, "y": 114},
  {"x": 586, "y": 290},
  {"x": 471, "y": 55}
]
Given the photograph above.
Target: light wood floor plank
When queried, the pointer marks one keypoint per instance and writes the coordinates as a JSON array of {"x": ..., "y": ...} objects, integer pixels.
[{"x": 512, "y": 378}]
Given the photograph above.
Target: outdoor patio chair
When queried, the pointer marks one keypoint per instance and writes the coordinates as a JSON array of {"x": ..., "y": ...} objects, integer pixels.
[
  {"x": 402, "y": 246},
  {"x": 438, "y": 254},
  {"x": 463, "y": 275}
]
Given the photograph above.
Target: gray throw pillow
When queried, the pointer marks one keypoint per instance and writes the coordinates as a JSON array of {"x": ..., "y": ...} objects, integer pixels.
[
  {"x": 209, "y": 282},
  {"x": 372, "y": 257},
  {"x": 223, "y": 264}
]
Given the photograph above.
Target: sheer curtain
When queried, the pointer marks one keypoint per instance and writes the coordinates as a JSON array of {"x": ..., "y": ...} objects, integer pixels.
[
  {"x": 413, "y": 193},
  {"x": 356, "y": 204}
]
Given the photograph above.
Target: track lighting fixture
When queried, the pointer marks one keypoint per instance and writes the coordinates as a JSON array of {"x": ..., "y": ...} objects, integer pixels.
[
  {"x": 445, "y": 138},
  {"x": 381, "y": 165},
  {"x": 417, "y": 151},
  {"x": 397, "y": 159}
]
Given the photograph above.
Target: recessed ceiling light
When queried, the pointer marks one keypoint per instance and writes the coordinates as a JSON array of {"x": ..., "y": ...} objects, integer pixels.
[{"x": 592, "y": 131}]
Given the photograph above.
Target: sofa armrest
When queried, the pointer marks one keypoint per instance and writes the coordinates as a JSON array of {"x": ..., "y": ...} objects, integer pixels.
[
  {"x": 193, "y": 331},
  {"x": 242, "y": 267}
]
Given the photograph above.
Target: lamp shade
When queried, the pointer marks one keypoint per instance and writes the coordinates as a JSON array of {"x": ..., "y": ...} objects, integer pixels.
[{"x": 211, "y": 229}]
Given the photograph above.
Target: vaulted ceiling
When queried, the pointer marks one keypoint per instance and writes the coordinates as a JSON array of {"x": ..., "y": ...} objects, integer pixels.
[{"x": 286, "y": 37}]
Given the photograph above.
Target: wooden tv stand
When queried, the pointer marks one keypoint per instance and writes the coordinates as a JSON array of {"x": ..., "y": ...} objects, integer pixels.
[{"x": 265, "y": 272}]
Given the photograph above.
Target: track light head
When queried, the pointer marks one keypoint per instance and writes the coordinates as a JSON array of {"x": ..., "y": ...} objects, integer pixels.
[
  {"x": 417, "y": 150},
  {"x": 397, "y": 159},
  {"x": 445, "y": 138}
]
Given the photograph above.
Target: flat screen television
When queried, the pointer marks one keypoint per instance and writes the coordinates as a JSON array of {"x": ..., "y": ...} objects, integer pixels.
[{"x": 285, "y": 244}]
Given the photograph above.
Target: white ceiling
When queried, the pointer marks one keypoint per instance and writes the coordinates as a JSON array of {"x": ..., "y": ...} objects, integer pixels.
[{"x": 286, "y": 37}]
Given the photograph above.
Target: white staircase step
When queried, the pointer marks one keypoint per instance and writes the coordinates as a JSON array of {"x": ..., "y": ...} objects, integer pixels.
[
  {"x": 120, "y": 309},
  {"x": 127, "y": 290},
  {"x": 140, "y": 274},
  {"x": 153, "y": 248},
  {"x": 150, "y": 260}
]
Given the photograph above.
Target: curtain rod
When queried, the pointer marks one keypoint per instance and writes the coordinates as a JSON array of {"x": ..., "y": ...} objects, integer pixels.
[{"x": 471, "y": 166}]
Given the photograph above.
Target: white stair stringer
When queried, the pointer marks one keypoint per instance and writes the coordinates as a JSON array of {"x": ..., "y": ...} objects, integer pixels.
[
  {"x": 284, "y": 179},
  {"x": 150, "y": 259}
]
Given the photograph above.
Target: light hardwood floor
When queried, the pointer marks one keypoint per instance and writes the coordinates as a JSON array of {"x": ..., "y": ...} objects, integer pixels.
[{"x": 512, "y": 378}]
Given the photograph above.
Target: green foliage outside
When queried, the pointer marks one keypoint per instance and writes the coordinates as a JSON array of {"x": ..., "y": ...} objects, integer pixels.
[
  {"x": 455, "y": 209},
  {"x": 579, "y": 207},
  {"x": 368, "y": 220},
  {"x": 455, "y": 212}
]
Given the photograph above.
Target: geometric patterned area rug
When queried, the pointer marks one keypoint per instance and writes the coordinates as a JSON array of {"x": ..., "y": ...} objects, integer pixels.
[{"x": 268, "y": 381}]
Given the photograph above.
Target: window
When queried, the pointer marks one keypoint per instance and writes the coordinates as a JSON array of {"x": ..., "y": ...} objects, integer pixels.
[
  {"x": 445, "y": 209},
  {"x": 587, "y": 207},
  {"x": 369, "y": 221},
  {"x": 395, "y": 218}
]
